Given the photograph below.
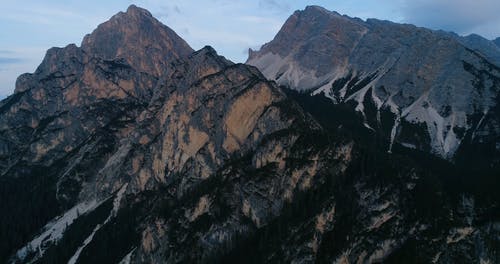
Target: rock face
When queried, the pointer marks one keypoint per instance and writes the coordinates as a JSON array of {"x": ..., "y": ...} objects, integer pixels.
[
  {"x": 423, "y": 89},
  {"x": 99, "y": 123},
  {"x": 142, "y": 151},
  {"x": 138, "y": 38}
]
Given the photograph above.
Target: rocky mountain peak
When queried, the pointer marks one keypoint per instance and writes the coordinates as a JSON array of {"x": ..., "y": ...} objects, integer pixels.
[
  {"x": 428, "y": 79},
  {"x": 320, "y": 39},
  {"x": 318, "y": 10},
  {"x": 137, "y": 37},
  {"x": 138, "y": 12}
]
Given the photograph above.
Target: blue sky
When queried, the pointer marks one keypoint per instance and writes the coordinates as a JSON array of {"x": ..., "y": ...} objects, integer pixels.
[{"x": 29, "y": 27}]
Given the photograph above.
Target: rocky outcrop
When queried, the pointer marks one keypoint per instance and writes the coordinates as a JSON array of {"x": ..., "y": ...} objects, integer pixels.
[{"x": 421, "y": 88}]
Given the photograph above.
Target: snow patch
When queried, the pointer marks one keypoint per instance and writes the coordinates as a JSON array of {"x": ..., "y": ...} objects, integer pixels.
[
  {"x": 127, "y": 258},
  {"x": 368, "y": 126},
  {"x": 54, "y": 230},
  {"x": 408, "y": 145},
  {"x": 444, "y": 141},
  {"x": 286, "y": 71},
  {"x": 435, "y": 259},
  {"x": 118, "y": 199},
  {"x": 485, "y": 261},
  {"x": 479, "y": 124},
  {"x": 116, "y": 205},
  {"x": 394, "y": 130},
  {"x": 395, "y": 110}
]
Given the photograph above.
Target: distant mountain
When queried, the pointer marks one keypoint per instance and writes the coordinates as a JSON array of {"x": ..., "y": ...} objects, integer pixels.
[
  {"x": 485, "y": 47},
  {"x": 422, "y": 89},
  {"x": 497, "y": 41},
  {"x": 133, "y": 148}
]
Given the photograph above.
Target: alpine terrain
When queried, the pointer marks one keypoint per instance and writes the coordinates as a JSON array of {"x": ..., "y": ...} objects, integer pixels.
[
  {"x": 423, "y": 89},
  {"x": 340, "y": 141}
]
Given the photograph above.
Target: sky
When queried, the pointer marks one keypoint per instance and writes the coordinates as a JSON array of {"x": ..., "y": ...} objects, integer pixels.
[{"x": 29, "y": 27}]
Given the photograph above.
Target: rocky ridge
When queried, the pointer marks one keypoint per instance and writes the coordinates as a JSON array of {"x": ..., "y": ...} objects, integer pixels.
[{"x": 422, "y": 89}]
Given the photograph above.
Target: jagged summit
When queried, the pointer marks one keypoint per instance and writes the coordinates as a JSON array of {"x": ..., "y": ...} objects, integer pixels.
[
  {"x": 318, "y": 14},
  {"x": 139, "y": 38},
  {"x": 207, "y": 50},
  {"x": 133, "y": 37},
  {"x": 319, "y": 38},
  {"x": 136, "y": 11},
  {"x": 315, "y": 9}
]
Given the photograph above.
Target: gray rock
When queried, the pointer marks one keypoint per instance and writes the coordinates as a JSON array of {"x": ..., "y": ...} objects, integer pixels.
[{"x": 425, "y": 78}]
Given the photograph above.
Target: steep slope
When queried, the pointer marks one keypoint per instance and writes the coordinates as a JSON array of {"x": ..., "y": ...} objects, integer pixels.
[
  {"x": 203, "y": 160},
  {"x": 420, "y": 88},
  {"x": 63, "y": 120}
]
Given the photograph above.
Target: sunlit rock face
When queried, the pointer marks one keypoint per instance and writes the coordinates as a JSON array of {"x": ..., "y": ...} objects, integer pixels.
[
  {"x": 133, "y": 148},
  {"x": 134, "y": 110},
  {"x": 140, "y": 39},
  {"x": 423, "y": 89}
]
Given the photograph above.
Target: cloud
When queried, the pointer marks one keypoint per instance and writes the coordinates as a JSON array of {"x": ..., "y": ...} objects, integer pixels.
[
  {"x": 461, "y": 16},
  {"x": 42, "y": 15},
  {"x": 274, "y": 5},
  {"x": 167, "y": 11},
  {"x": 5, "y": 60},
  {"x": 177, "y": 9}
]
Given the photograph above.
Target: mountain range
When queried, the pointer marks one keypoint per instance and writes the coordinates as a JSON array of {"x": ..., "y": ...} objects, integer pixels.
[
  {"x": 421, "y": 88},
  {"x": 341, "y": 140}
]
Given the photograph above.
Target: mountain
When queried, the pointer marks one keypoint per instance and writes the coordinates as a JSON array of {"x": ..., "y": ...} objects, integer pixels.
[
  {"x": 101, "y": 144},
  {"x": 139, "y": 39},
  {"x": 143, "y": 150},
  {"x": 420, "y": 88},
  {"x": 485, "y": 47},
  {"x": 497, "y": 41}
]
